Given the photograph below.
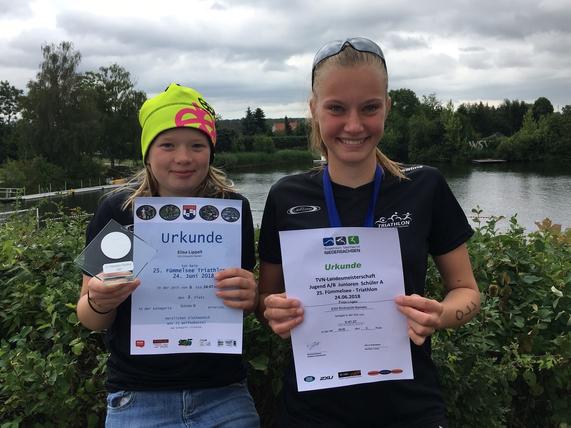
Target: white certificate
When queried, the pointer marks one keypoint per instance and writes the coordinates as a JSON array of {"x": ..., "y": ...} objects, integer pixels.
[
  {"x": 175, "y": 309},
  {"x": 347, "y": 279}
]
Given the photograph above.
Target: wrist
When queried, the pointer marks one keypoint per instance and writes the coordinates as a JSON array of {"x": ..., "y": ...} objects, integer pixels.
[{"x": 95, "y": 307}]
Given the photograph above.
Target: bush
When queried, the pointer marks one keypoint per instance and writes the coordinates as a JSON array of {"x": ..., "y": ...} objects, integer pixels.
[
  {"x": 39, "y": 175},
  {"x": 508, "y": 367},
  {"x": 230, "y": 160},
  {"x": 263, "y": 143},
  {"x": 289, "y": 142},
  {"x": 52, "y": 369}
]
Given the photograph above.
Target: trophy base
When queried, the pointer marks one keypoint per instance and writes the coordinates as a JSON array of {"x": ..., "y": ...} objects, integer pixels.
[{"x": 117, "y": 278}]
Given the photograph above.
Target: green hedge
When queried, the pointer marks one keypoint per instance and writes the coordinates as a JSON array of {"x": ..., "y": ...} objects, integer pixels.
[
  {"x": 291, "y": 142},
  {"x": 509, "y": 367},
  {"x": 231, "y": 160}
]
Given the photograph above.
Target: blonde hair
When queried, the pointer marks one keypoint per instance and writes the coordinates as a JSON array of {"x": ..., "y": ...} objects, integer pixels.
[
  {"x": 350, "y": 57},
  {"x": 144, "y": 183}
]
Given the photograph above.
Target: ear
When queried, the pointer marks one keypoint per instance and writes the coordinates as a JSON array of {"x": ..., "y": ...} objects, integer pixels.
[
  {"x": 388, "y": 106},
  {"x": 312, "y": 107}
]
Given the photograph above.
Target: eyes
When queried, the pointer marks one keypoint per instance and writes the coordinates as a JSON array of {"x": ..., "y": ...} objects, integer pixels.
[
  {"x": 367, "y": 109},
  {"x": 195, "y": 146}
]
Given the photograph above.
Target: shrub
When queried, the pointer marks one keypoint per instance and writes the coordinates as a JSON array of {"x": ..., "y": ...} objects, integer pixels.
[
  {"x": 508, "y": 367},
  {"x": 263, "y": 143},
  {"x": 52, "y": 369}
]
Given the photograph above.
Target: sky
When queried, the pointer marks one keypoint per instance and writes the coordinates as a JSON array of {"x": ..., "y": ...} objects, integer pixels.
[{"x": 259, "y": 53}]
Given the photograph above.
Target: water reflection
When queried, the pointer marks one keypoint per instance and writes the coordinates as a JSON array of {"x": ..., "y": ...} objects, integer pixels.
[
  {"x": 506, "y": 189},
  {"x": 533, "y": 192},
  {"x": 256, "y": 185}
]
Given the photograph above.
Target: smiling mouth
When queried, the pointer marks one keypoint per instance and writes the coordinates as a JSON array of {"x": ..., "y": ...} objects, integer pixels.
[{"x": 352, "y": 141}]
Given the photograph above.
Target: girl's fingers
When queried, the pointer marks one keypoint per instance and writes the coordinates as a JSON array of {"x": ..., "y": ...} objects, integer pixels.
[
  {"x": 281, "y": 314},
  {"x": 283, "y": 329},
  {"x": 234, "y": 273}
]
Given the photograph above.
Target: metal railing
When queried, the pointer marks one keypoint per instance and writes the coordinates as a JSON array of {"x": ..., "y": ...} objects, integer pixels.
[
  {"x": 11, "y": 192},
  {"x": 4, "y": 216}
]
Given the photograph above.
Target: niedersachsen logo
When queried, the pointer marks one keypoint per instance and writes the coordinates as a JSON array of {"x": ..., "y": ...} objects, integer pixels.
[{"x": 341, "y": 244}]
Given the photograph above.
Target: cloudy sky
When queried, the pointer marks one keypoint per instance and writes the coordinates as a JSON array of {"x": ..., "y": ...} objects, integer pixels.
[{"x": 258, "y": 53}]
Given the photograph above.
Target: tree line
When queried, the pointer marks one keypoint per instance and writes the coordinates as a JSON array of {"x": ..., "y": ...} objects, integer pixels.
[
  {"x": 71, "y": 125},
  {"x": 426, "y": 130}
]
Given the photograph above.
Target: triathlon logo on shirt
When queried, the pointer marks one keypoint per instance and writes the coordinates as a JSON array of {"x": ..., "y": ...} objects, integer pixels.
[
  {"x": 395, "y": 220},
  {"x": 302, "y": 209}
]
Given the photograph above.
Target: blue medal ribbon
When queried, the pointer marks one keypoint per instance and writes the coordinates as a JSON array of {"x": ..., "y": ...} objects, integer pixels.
[{"x": 334, "y": 219}]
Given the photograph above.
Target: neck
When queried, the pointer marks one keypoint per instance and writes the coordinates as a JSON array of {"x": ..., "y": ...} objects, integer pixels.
[{"x": 352, "y": 175}]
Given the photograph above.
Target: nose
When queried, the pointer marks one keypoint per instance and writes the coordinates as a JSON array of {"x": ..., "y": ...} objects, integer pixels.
[
  {"x": 354, "y": 124},
  {"x": 183, "y": 155}
]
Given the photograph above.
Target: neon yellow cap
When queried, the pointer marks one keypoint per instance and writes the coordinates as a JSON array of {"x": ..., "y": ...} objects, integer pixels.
[{"x": 176, "y": 107}]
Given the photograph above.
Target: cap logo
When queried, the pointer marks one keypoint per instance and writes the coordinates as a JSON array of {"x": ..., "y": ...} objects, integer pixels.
[
  {"x": 200, "y": 117},
  {"x": 206, "y": 106}
]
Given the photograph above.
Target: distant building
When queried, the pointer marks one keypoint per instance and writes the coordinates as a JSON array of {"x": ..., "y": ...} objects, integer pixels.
[{"x": 279, "y": 127}]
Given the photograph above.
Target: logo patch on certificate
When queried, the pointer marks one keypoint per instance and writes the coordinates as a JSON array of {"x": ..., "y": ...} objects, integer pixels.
[
  {"x": 146, "y": 212},
  {"x": 209, "y": 212},
  {"x": 328, "y": 242},
  {"x": 169, "y": 212},
  {"x": 230, "y": 214},
  {"x": 188, "y": 212}
]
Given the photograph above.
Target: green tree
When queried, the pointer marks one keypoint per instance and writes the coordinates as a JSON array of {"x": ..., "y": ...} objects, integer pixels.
[
  {"x": 454, "y": 138},
  {"x": 528, "y": 144},
  {"x": 263, "y": 143},
  {"x": 302, "y": 128},
  {"x": 426, "y": 131},
  {"x": 226, "y": 139},
  {"x": 10, "y": 98},
  {"x": 431, "y": 106},
  {"x": 404, "y": 102},
  {"x": 10, "y": 106},
  {"x": 395, "y": 143},
  {"x": 557, "y": 142},
  {"x": 287, "y": 126},
  {"x": 61, "y": 120},
  {"x": 260, "y": 121},
  {"x": 118, "y": 104},
  {"x": 511, "y": 115},
  {"x": 248, "y": 123},
  {"x": 541, "y": 107}
]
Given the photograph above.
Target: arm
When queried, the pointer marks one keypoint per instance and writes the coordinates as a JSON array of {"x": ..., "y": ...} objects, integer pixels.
[
  {"x": 104, "y": 299},
  {"x": 461, "y": 304},
  {"x": 462, "y": 301},
  {"x": 282, "y": 314}
]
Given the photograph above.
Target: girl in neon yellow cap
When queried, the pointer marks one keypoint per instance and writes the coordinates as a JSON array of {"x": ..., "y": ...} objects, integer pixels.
[{"x": 203, "y": 390}]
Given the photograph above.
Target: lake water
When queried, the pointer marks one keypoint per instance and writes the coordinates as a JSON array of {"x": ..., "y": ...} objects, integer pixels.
[{"x": 533, "y": 192}]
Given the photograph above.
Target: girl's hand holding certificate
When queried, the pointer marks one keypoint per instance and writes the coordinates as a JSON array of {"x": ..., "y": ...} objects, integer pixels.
[
  {"x": 283, "y": 314},
  {"x": 237, "y": 288}
]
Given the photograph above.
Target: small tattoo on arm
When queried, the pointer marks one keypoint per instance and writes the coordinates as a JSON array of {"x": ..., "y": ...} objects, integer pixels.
[{"x": 469, "y": 309}]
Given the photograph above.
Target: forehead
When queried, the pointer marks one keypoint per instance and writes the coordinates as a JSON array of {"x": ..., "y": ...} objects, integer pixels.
[
  {"x": 182, "y": 134},
  {"x": 334, "y": 80}
]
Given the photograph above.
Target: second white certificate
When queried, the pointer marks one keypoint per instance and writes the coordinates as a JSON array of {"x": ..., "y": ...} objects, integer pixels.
[
  {"x": 346, "y": 279},
  {"x": 175, "y": 309}
]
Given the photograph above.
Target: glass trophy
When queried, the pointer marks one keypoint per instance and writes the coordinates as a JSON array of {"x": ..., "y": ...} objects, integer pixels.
[{"x": 109, "y": 256}]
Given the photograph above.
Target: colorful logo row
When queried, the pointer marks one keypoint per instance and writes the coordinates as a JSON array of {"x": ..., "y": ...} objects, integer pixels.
[
  {"x": 163, "y": 343},
  {"x": 354, "y": 373},
  {"x": 341, "y": 240}
]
